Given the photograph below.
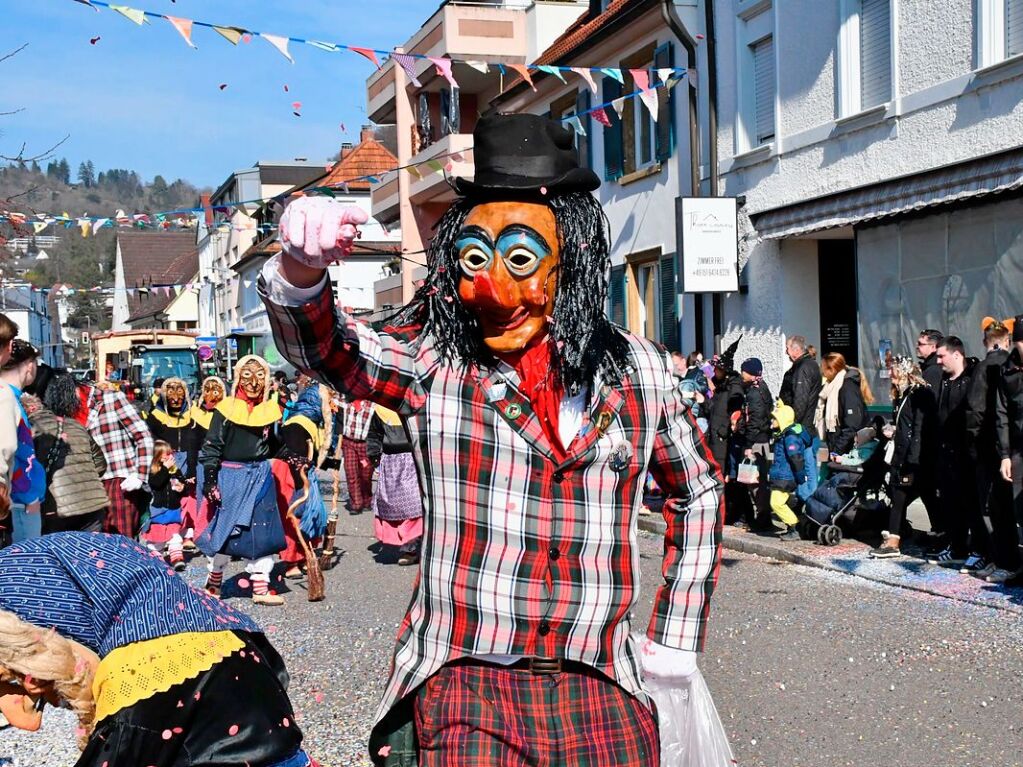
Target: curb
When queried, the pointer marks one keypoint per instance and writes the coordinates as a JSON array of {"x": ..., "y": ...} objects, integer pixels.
[{"x": 761, "y": 548}]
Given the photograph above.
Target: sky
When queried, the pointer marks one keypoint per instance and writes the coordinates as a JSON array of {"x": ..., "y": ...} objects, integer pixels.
[{"x": 141, "y": 99}]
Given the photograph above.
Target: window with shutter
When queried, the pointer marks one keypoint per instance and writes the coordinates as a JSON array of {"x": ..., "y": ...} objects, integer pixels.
[
  {"x": 763, "y": 90},
  {"x": 669, "y": 304},
  {"x": 616, "y": 295},
  {"x": 611, "y": 89},
  {"x": 875, "y": 53},
  {"x": 664, "y": 56},
  {"x": 1013, "y": 27},
  {"x": 582, "y": 141}
]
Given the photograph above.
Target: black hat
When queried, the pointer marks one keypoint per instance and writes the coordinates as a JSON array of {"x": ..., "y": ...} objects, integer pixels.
[
  {"x": 521, "y": 153},
  {"x": 726, "y": 360}
]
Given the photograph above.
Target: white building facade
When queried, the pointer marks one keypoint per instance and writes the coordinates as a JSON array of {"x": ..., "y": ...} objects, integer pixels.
[{"x": 875, "y": 146}]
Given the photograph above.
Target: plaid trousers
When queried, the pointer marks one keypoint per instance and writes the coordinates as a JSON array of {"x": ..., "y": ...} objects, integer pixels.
[
  {"x": 358, "y": 474},
  {"x": 489, "y": 716},
  {"x": 125, "y": 510}
]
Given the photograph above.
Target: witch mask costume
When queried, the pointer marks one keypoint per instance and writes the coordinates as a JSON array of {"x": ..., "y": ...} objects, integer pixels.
[{"x": 533, "y": 421}]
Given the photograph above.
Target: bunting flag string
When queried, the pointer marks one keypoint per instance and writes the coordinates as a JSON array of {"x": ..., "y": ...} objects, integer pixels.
[
  {"x": 408, "y": 61},
  {"x": 189, "y": 217}
]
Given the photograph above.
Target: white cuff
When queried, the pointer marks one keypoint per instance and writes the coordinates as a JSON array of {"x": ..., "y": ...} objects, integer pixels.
[
  {"x": 663, "y": 662},
  {"x": 282, "y": 292}
]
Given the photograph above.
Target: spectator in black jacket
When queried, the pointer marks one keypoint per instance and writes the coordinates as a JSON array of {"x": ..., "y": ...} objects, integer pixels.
[
  {"x": 800, "y": 390},
  {"x": 927, "y": 353},
  {"x": 728, "y": 399},
  {"x": 842, "y": 404},
  {"x": 993, "y": 525},
  {"x": 1009, "y": 423},
  {"x": 954, "y": 471},
  {"x": 753, "y": 438},
  {"x": 912, "y": 400}
]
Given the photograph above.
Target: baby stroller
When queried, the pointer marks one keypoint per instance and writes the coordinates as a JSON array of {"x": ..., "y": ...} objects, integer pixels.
[{"x": 854, "y": 497}]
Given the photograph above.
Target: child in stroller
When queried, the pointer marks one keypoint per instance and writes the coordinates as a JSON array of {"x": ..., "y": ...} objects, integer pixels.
[{"x": 855, "y": 495}]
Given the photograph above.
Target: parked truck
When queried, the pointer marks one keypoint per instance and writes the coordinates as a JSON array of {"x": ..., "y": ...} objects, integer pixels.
[{"x": 134, "y": 359}]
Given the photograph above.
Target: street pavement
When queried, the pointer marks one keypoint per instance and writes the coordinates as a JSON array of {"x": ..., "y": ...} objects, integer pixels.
[{"x": 808, "y": 666}]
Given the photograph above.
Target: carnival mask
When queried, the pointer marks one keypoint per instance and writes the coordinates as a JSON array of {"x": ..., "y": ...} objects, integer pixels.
[
  {"x": 175, "y": 394},
  {"x": 252, "y": 381},
  {"x": 212, "y": 393},
  {"x": 508, "y": 253}
]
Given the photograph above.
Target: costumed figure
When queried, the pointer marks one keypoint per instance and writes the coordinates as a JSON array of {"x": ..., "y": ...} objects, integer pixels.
[
  {"x": 238, "y": 483},
  {"x": 167, "y": 482},
  {"x": 304, "y": 437},
  {"x": 358, "y": 470},
  {"x": 533, "y": 421},
  {"x": 398, "y": 501},
  {"x": 157, "y": 672},
  {"x": 195, "y": 510},
  {"x": 170, "y": 420}
]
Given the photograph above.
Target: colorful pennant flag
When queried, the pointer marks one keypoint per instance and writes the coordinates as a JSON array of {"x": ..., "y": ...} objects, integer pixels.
[
  {"x": 280, "y": 43},
  {"x": 132, "y": 14},
  {"x": 231, "y": 34},
  {"x": 601, "y": 116},
  {"x": 665, "y": 73},
  {"x": 435, "y": 166},
  {"x": 444, "y": 69},
  {"x": 408, "y": 63},
  {"x": 554, "y": 71},
  {"x": 649, "y": 97},
  {"x": 619, "y": 106},
  {"x": 184, "y": 27},
  {"x": 586, "y": 75},
  {"x": 479, "y": 66},
  {"x": 328, "y": 47},
  {"x": 368, "y": 53},
  {"x": 614, "y": 73},
  {"x": 576, "y": 123},
  {"x": 523, "y": 70}
]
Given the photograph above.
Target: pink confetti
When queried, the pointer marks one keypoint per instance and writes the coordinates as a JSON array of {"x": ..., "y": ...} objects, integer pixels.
[
  {"x": 100, "y": 564},
  {"x": 543, "y": 190},
  {"x": 246, "y": 38},
  {"x": 319, "y": 697},
  {"x": 181, "y": 704},
  {"x": 271, "y": 629},
  {"x": 286, "y": 722},
  {"x": 167, "y": 734},
  {"x": 178, "y": 731},
  {"x": 232, "y": 730},
  {"x": 384, "y": 751},
  {"x": 197, "y": 695},
  {"x": 243, "y": 583},
  {"x": 181, "y": 605},
  {"x": 296, "y": 104}
]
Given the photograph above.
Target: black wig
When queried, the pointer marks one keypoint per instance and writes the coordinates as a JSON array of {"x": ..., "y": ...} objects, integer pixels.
[
  {"x": 61, "y": 396},
  {"x": 585, "y": 342}
]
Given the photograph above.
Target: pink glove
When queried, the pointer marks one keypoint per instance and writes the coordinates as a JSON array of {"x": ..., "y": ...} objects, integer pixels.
[{"x": 317, "y": 231}]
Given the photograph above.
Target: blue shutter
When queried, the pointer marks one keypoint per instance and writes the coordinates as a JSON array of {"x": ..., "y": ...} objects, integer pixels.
[
  {"x": 664, "y": 56},
  {"x": 583, "y": 104},
  {"x": 613, "y": 160},
  {"x": 669, "y": 304},
  {"x": 616, "y": 295}
]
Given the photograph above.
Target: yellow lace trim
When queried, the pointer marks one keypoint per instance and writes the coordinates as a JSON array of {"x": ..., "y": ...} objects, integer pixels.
[
  {"x": 202, "y": 417},
  {"x": 141, "y": 670},
  {"x": 263, "y": 414},
  {"x": 171, "y": 421}
]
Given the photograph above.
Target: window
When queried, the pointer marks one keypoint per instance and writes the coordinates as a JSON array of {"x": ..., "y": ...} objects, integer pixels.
[
  {"x": 757, "y": 80},
  {"x": 635, "y": 141},
  {"x": 763, "y": 90},
  {"x": 999, "y": 31},
  {"x": 570, "y": 105},
  {"x": 864, "y": 55},
  {"x": 450, "y": 121}
]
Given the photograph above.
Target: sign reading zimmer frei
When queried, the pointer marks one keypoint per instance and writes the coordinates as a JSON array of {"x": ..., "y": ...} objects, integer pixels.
[{"x": 710, "y": 245}]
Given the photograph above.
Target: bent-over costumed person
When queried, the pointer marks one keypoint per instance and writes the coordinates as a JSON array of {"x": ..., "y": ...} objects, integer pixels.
[
  {"x": 238, "y": 483},
  {"x": 157, "y": 672},
  {"x": 398, "y": 501},
  {"x": 194, "y": 509},
  {"x": 533, "y": 421}
]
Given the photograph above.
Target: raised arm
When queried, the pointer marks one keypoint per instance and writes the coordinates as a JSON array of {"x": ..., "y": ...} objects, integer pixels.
[{"x": 307, "y": 326}]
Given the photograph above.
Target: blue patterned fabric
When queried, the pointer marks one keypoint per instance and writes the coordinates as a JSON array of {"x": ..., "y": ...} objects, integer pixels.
[
  {"x": 309, "y": 404},
  {"x": 313, "y": 513},
  {"x": 105, "y": 591},
  {"x": 247, "y": 522}
]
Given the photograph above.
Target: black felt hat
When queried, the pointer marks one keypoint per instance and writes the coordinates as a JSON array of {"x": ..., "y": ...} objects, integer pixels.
[{"x": 525, "y": 153}]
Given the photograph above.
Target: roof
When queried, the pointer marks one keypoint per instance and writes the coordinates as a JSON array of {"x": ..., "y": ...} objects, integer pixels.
[
  {"x": 578, "y": 34},
  {"x": 957, "y": 183},
  {"x": 287, "y": 175},
  {"x": 368, "y": 158},
  {"x": 155, "y": 258}
]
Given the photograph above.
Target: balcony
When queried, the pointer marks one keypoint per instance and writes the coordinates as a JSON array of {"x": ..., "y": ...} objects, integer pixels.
[
  {"x": 380, "y": 93},
  {"x": 385, "y": 198},
  {"x": 433, "y": 187}
]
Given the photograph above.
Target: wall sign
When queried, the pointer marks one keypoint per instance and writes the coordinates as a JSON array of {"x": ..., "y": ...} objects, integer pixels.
[{"x": 709, "y": 245}]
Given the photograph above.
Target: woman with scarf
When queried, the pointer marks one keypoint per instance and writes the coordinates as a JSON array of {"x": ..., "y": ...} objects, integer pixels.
[
  {"x": 842, "y": 409},
  {"x": 157, "y": 672},
  {"x": 398, "y": 501},
  {"x": 238, "y": 483},
  {"x": 303, "y": 437}
]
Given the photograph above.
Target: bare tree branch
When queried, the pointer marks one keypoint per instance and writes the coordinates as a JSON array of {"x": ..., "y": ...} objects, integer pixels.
[
  {"x": 20, "y": 157},
  {"x": 12, "y": 112}
]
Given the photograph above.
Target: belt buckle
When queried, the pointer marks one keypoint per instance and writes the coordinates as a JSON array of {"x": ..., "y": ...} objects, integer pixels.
[{"x": 545, "y": 666}]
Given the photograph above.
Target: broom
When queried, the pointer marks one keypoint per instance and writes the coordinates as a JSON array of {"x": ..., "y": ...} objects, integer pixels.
[
  {"x": 327, "y": 555},
  {"x": 317, "y": 588}
]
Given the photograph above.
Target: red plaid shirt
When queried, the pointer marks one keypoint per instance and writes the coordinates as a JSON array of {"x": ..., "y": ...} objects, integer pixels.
[
  {"x": 121, "y": 433},
  {"x": 358, "y": 415},
  {"x": 524, "y": 554}
]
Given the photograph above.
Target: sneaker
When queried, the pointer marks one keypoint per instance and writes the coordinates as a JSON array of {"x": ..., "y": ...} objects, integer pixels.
[
  {"x": 791, "y": 534},
  {"x": 946, "y": 558},
  {"x": 189, "y": 545},
  {"x": 645, "y": 511},
  {"x": 180, "y": 566},
  {"x": 984, "y": 573},
  {"x": 740, "y": 524},
  {"x": 884, "y": 551},
  {"x": 999, "y": 575},
  {"x": 973, "y": 564}
]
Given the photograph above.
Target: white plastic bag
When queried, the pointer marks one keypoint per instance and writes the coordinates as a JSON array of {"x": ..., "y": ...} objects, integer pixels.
[{"x": 691, "y": 731}]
